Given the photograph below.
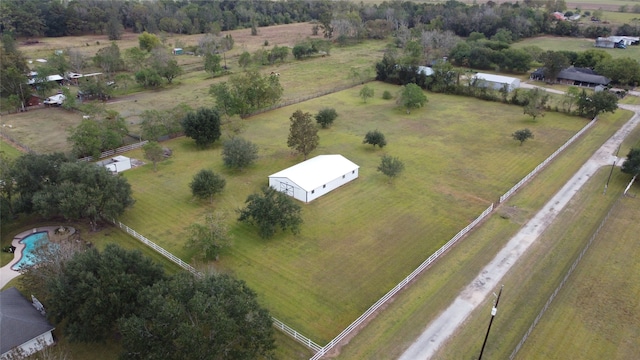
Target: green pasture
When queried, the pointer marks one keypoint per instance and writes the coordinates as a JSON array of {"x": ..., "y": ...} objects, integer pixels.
[
  {"x": 404, "y": 319},
  {"x": 596, "y": 315},
  {"x": 359, "y": 241},
  {"x": 8, "y": 150},
  {"x": 617, "y": 17},
  {"x": 575, "y": 44}
]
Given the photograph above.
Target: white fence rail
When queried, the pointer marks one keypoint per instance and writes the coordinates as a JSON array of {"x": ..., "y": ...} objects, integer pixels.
[
  {"x": 276, "y": 323},
  {"x": 117, "y": 151},
  {"x": 546, "y": 161},
  {"x": 362, "y": 318}
]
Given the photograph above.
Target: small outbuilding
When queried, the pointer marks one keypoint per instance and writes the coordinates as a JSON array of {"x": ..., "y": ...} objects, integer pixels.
[
  {"x": 23, "y": 327},
  {"x": 177, "y": 51},
  {"x": 315, "y": 177},
  {"x": 496, "y": 82},
  {"x": 116, "y": 164}
]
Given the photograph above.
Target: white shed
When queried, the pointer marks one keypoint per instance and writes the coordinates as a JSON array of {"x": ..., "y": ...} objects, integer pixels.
[
  {"x": 496, "y": 82},
  {"x": 22, "y": 326},
  {"x": 116, "y": 164},
  {"x": 315, "y": 177}
]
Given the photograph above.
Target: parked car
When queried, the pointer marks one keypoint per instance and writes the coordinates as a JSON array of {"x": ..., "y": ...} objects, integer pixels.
[{"x": 55, "y": 100}]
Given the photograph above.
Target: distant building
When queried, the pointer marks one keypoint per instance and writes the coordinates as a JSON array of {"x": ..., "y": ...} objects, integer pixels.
[
  {"x": 315, "y": 177},
  {"x": 496, "y": 82},
  {"x": 616, "y": 41},
  {"x": 177, "y": 51},
  {"x": 574, "y": 76},
  {"x": 22, "y": 325}
]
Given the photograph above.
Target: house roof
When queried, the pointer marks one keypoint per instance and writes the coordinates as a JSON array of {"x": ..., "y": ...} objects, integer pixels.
[
  {"x": 495, "y": 78},
  {"x": 19, "y": 320},
  {"x": 583, "y": 75},
  {"x": 317, "y": 171}
]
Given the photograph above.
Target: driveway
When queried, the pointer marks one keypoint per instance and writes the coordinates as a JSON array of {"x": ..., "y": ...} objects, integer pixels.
[{"x": 491, "y": 276}]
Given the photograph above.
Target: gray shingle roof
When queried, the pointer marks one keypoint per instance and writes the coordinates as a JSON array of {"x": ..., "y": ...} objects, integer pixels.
[{"x": 19, "y": 320}]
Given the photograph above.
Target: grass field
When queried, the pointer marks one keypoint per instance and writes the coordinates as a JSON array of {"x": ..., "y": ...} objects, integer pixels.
[
  {"x": 405, "y": 318},
  {"x": 353, "y": 246},
  {"x": 575, "y": 44}
]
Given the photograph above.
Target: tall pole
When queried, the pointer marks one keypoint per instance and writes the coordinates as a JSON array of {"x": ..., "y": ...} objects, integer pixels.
[{"x": 494, "y": 311}]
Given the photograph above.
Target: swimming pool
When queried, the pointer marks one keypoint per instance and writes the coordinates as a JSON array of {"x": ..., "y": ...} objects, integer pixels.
[{"x": 31, "y": 242}]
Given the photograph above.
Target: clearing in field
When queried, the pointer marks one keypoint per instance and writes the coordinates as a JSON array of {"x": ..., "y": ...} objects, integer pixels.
[
  {"x": 575, "y": 44},
  {"x": 359, "y": 241}
]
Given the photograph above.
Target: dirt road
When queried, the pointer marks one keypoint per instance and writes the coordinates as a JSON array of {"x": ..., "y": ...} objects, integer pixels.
[{"x": 489, "y": 278}]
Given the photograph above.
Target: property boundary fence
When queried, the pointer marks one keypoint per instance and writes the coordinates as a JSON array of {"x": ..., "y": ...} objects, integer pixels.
[
  {"x": 117, "y": 151},
  {"x": 362, "y": 318},
  {"x": 276, "y": 323},
  {"x": 10, "y": 139},
  {"x": 564, "y": 280},
  {"x": 308, "y": 97},
  {"x": 546, "y": 161}
]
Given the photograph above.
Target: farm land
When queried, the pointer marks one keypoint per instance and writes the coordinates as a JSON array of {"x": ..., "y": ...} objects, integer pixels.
[{"x": 354, "y": 246}]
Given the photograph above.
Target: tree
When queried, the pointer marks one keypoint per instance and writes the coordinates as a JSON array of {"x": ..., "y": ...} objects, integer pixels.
[
  {"x": 85, "y": 139},
  {"x": 374, "y": 138},
  {"x": 212, "y": 63},
  {"x": 246, "y": 92},
  {"x": 114, "y": 27},
  {"x": 624, "y": 71},
  {"x": 31, "y": 173},
  {"x": 209, "y": 238},
  {"x": 148, "y": 41},
  {"x": 536, "y": 103},
  {"x": 238, "y": 153},
  {"x": 570, "y": 97},
  {"x": 303, "y": 133},
  {"x": 135, "y": 58},
  {"x": 170, "y": 70},
  {"x": 522, "y": 135},
  {"x": 96, "y": 288},
  {"x": 597, "y": 103},
  {"x": 213, "y": 317},
  {"x": 157, "y": 123},
  {"x": 554, "y": 62},
  {"x": 412, "y": 97},
  {"x": 631, "y": 165},
  {"x": 325, "y": 117},
  {"x": 83, "y": 190},
  {"x": 365, "y": 93},
  {"x": 391, "y": 166},
  {"x": 154, "y": 153},
  {"x": 148, "y": 78},
  {"x": 94, "y": 88},
  {"x": 203, "y": 126},
  {"x": 271, "y": 210},
  {"x": 206, "y": 184},
  {"x": 109, "y": 59},
  {"x": 244, "y": 60}
]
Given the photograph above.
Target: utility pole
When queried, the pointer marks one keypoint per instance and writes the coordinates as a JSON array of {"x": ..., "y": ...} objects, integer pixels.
[{"x": 494, "y": 311}]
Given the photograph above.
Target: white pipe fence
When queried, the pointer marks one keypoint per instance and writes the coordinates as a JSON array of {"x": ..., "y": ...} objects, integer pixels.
[
  {"x": 276, "y": 323},
  {"x": 362, "y": 318},
  {"x": 546, "y": 161},
  {"x": 117, "y": 151}
]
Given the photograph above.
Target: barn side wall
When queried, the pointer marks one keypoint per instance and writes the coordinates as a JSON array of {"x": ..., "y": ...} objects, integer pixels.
[{"x": 332, "y": 185}]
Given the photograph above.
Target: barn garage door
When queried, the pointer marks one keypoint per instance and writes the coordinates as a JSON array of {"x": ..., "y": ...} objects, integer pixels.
[{"x": 286, "y": 188}]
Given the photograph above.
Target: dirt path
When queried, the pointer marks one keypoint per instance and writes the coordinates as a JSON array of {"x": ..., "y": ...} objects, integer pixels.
[{"x": 489, "y": 278}]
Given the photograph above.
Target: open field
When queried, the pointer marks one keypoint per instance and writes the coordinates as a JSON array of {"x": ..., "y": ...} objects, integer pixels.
[
  {"x": 403, "y": 320},
  {"x": 8, "y": 150},
  {"x": 575, "y": 44},
  {"x": 192, "y": 88},
  {"x": 348, "y": 255}
]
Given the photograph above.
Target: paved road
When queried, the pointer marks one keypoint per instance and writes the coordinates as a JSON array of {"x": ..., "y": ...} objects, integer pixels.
[{"x": 489, "y": 278}]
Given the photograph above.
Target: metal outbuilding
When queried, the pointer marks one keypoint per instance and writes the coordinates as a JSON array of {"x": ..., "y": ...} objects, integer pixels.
[
  {"x": 315, "y": 177},
  {"x": 496, "y": 82}
]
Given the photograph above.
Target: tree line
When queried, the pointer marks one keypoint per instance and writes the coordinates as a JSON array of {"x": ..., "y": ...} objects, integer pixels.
[{"x": 339, "y": 19}]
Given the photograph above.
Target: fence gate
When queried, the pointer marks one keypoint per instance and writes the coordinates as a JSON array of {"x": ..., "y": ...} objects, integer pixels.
[{"x": 286, "y": 188}]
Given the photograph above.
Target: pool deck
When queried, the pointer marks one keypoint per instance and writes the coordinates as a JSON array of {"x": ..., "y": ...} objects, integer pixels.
[{"x": 6, "y": 273}]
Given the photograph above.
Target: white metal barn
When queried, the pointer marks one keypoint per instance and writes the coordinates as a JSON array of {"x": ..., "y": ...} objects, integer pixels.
[
  {"x": 496, "y": 82},
  {"x": 315, "y": 177}
]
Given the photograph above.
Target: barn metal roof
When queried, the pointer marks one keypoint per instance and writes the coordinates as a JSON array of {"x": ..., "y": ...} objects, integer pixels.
[
  {"x": 495, "y": 78},
  {"x": 317, "y": 171}
]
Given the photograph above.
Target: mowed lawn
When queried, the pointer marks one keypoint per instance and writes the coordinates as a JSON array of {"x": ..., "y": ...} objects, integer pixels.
[
  {"x": 360, "y": 240},
  {"x": 575, "y": 44}
]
